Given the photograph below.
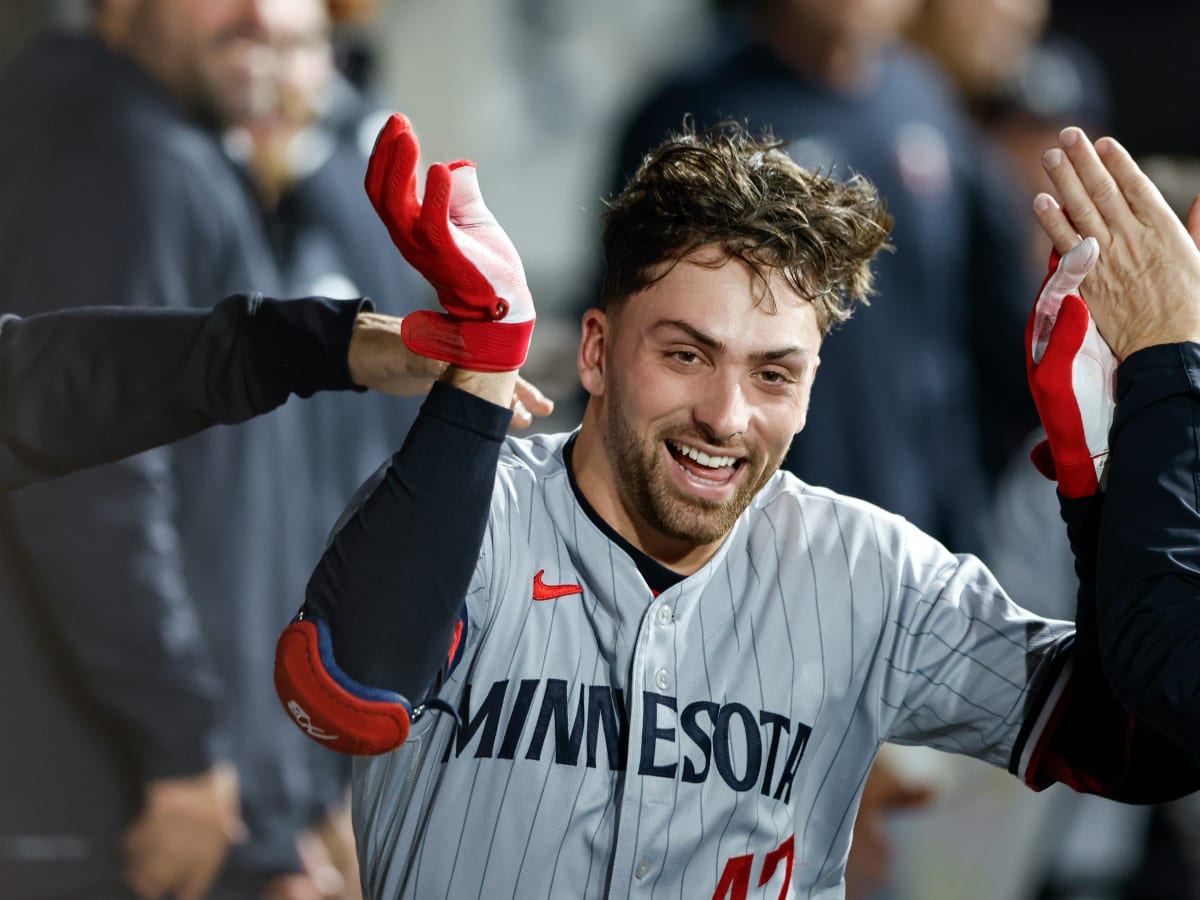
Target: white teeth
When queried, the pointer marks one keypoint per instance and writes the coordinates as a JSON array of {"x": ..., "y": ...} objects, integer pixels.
[{"x": 711, "y": 462}]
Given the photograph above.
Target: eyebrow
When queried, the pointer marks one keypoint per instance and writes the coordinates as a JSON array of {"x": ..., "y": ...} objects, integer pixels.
[{"x": 711, "y": 343}]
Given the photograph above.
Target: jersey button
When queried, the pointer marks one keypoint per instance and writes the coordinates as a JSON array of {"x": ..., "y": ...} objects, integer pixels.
[
  {"x": 642, "y": 870},
  {"x": 662, "y": 679},
  {"x": 664, "y": 615}
]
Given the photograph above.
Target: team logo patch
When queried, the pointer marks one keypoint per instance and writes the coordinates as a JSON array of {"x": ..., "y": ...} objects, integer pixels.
[{"x": 543, "y": 591}]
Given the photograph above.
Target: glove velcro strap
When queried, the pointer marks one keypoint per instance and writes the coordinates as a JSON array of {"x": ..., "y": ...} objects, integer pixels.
[
  {"x": 329, "y": 706},
  {"x": 1080, "y": 478},
  {"x": 467, "y": 343}
]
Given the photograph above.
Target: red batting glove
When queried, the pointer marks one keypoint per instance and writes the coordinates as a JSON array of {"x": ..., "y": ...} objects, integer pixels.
[
  {"x": 1072, "y": 373},
  {"x": 452, "y": 239}
]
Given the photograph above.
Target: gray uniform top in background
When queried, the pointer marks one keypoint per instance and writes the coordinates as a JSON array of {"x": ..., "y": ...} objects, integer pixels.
[{"x": 614, "y": 743}]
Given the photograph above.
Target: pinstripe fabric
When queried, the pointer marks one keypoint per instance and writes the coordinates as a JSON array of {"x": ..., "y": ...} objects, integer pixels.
[{"x": 750, "y": 698}]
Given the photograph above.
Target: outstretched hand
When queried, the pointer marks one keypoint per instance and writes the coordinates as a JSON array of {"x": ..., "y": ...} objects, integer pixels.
[
  {"x": 381, "y": 360},
  {"x": 452, "y": 238},
  {"x": 1145, "y": 288}
]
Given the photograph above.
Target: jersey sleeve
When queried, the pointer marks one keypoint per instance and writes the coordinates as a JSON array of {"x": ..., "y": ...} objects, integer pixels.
[{"x": 960, "y": 656}]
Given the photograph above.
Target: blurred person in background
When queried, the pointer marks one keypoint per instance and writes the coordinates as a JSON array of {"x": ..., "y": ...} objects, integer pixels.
[
  {"x": 141, "y": 598},
  {"x": 305, "y": 151},
  {"x": 982, "y": 45},
  {"x": 1020, "y": 87},
  {"x": 1019, "y": 84}
]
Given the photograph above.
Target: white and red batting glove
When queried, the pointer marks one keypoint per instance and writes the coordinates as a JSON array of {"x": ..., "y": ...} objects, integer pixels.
[
  {"x": 1072, "y": 373},
  {"x": 452, "y": 238}
]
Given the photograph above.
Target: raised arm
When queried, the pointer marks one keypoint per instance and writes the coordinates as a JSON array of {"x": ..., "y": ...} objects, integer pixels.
[
  {"x": 1145, "y": 296},
  {"x": 95, "y": 384},
  {"x": 381, "y": 617},
  {"x": 92, "y": 385}
]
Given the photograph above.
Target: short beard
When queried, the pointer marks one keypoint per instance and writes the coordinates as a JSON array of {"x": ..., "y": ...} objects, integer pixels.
[{"x": 691, "y": 519}]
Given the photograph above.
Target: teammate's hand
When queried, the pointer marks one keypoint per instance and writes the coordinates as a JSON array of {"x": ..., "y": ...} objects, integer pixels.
[
  {"x": 180, "y": 839},
  {"x": 319, "y": 878},
  {"x": 332, "y": 843},
  {"x": 869, "y": 866},
  {"x": 380, "y": 360},
  {"x": 328, "y": 863},
  {"x": 1145, "y": 290},
  {"x": 452, "y": 238},
  {"x": 1072, "y": 373}
]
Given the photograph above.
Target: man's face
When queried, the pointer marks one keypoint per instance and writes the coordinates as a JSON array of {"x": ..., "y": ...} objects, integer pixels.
[
  {"x": 702, "y": 390},
  {"x": 983, "y": 43},
  {"x": 296, "y": 32},
  {"x": 214, "y": 55}
]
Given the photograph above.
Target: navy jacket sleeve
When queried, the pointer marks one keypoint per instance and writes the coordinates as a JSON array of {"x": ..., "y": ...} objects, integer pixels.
[
  {"x": 1084, "y": 737},
  {"x": 87, "y": 386},
  {"x": 1149, "y": 552}
]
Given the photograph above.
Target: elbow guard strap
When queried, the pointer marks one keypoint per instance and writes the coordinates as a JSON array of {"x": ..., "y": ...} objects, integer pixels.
[{"x": 327, "y": 704}]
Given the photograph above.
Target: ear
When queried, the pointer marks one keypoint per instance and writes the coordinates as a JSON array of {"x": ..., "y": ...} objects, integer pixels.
[{"x": 591, "y": 351}]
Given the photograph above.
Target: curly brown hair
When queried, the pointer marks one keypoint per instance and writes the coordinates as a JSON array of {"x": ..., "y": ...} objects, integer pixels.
[{"x": 725, "y": 187}]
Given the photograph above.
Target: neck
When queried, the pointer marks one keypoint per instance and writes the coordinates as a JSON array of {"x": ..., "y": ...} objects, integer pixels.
[{"x": 597, "y": 479}]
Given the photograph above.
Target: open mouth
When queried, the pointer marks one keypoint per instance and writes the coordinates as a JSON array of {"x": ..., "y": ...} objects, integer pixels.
[{"x": 704, "y": 467}]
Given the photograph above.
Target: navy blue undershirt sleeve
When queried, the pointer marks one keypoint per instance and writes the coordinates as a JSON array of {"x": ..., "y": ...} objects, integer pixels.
[{"x": 392, "y": 583}]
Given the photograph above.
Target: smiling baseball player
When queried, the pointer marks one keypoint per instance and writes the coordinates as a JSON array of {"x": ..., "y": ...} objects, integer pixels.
[{"x": 638, "y": 659}]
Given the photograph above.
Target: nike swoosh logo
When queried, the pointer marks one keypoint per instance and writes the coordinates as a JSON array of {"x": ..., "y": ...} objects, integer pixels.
[{"x": 543, "y": 591}]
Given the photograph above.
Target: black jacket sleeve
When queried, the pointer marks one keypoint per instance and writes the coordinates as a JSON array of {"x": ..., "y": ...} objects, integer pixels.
[
  {"x": 1148, "y": 609},
  {"x": 1089, "y": 741},
  {"x": 91, "y": 385}
]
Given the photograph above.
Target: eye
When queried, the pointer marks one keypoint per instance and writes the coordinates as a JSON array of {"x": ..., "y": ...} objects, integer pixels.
[
  {"x": 775, "y": 377},
  {"x": 687, "y": 357}
]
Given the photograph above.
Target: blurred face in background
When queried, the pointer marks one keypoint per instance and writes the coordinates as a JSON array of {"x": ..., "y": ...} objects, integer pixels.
[
  {"x": 297, "y": 36},
  {"x": 211, "y": 54},
  {"x": 871, "y": 23},
  {"x": 980, "y": 43}
]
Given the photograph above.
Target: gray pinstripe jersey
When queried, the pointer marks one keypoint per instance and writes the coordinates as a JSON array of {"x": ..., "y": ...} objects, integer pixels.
[{"x": 708, "y": 742}]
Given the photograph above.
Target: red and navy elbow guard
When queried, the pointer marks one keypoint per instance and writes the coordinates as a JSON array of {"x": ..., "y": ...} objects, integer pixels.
[{"x": 327, "y": 704}]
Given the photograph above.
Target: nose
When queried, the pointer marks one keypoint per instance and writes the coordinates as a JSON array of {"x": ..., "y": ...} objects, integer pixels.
[{"x": 722, "y": 409}]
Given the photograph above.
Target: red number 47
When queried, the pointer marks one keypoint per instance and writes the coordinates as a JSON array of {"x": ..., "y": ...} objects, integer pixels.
[{"x": 735, "y": 880}]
